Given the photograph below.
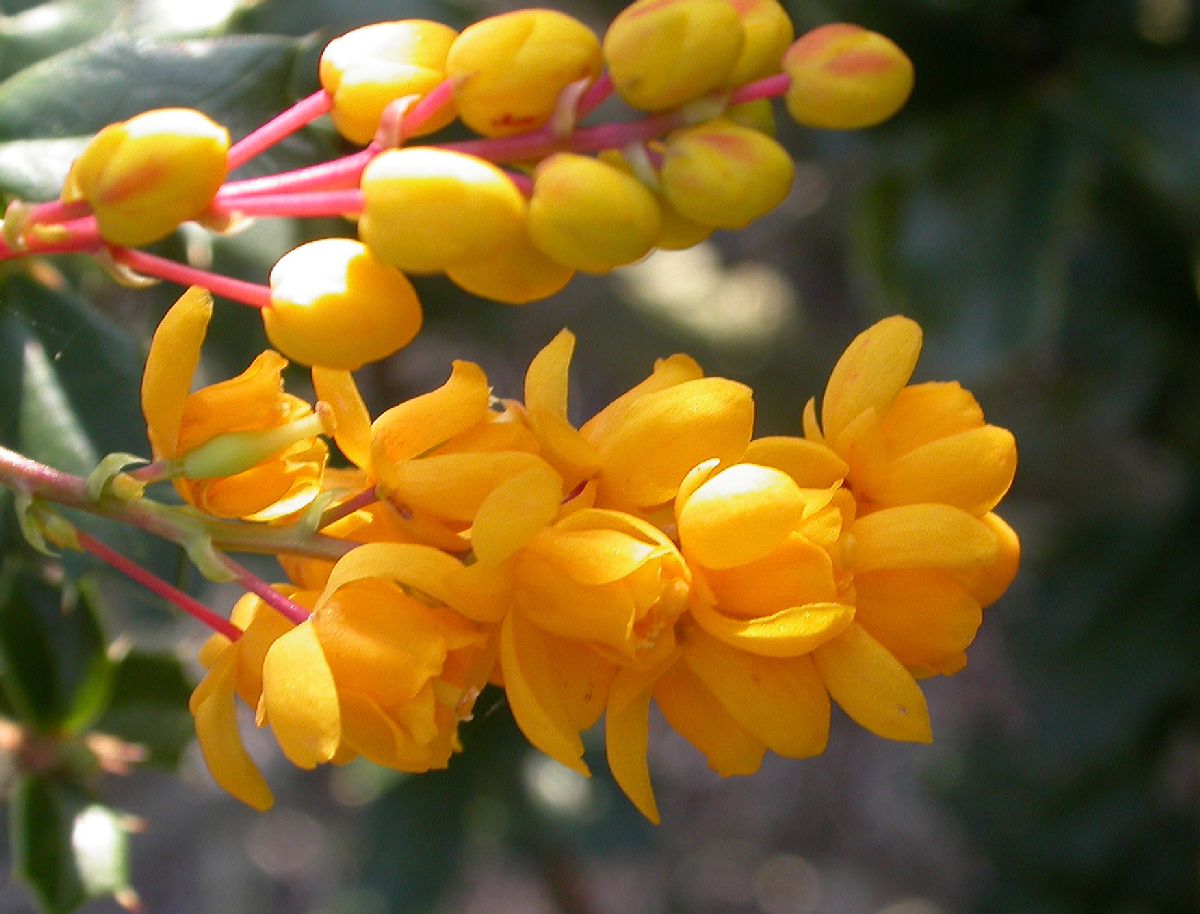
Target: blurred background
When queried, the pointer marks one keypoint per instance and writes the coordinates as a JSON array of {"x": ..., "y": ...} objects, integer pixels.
[{"x": 1036, "y": 207}]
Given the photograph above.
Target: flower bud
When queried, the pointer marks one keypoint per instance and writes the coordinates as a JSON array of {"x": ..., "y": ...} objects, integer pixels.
[
  {"x": 369, "y": 68},
  {"x": 145, "y": 176},
  {"x": 591, "y": 215},
  {"x": 514, "y": 275},
  {"x": 508, "y": 70},
  {"x": 725, "y": 175},
  {"x": 844, "y": 77},
  {"x": 335, "y": 305},
  {"x": 426, "y": 210},
  {"x": 662, "y": 53},
  {"x": 767, "y": 32}
]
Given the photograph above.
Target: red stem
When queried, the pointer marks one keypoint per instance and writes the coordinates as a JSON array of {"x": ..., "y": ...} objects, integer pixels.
[
  {"x": 246, "y": 293},
  {"x": 279, "y": 128},
  {"x": 597, "y": 93},
  {"x": 159, "y": 587},
  {"x": 348, "y": 507},
  {"x": 336, "y": 175},
  {"x": 293, "y": 205},
  {"x": 265, "y": 592}
]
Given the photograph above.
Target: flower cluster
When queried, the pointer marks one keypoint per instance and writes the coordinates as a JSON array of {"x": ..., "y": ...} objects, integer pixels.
[
  {"x": 659, "y": 552},
  {"x": 510, "y": 215}
]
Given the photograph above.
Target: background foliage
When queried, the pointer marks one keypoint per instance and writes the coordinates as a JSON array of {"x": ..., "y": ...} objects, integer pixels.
[{"x": 1036, "y": 207}]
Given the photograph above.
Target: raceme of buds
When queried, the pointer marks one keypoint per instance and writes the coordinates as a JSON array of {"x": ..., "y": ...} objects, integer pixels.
[
  {"x": 367, "y": 69},
  {"x": 145, "y": 176},
  {"x": 334, "y": 304},
  {"x": 426, "y": 210},
  {"x": 766, "y": 34},
  {"x": 240, "y": 447},
  {"x": 844, "y": 77},
  {"x": 662, "y": 53},
  {"x": 723, "y": 174},
  {"x": 509, "y": 70}
]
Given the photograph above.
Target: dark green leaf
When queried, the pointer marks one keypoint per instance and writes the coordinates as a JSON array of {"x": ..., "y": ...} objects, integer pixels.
[
  {"x": 35, "y": 169},
  {"x": 66, "y": 850},
  {"x": 148, "y": 706},
  {"x": 52, "y": 652}
]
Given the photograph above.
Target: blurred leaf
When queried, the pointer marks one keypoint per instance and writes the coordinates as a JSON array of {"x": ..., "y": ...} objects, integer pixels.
[
  {"x": 148, "y": 706},
  {"x": 334, "y": 17},
  {"x": 66, "y": 850},
  {"x": 35, "y": 169},
  {"x": 53, "y": 659}
]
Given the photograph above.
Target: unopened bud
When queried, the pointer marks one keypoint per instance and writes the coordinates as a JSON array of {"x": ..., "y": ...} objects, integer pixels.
[
  {"x": 367, "y": 69},
  {"x": 724, "y": 174},
  {"x": 509, "y": 70},
  {"x": 844, "y": 77},
  {"x": 767, "y": 33},
  {"x": 662, "y": 53},
  {"x": 591, "y": 215},
  {"x": 334, "y": 304},
  {"x": 148, "y": 175},
  {"x": 426, "y": 210},
  {"x": 515, "y": 275}
]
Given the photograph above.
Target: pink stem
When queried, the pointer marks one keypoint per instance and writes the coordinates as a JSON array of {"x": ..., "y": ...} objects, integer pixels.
[
  {"x": 82, "y": 236},
  {"x": 771, "y": 87},
  {"x": 427, "y": 108},
  {"x": 346, "y": 508},
  {"x": 596, "y": 95},
  {"x": 159, "y": 587},
  {"x": 246, "y": 293},
  {"x": 279, "y": 128},
  {"x": 265, "y": 592},
  {"x": 295, "y": 205},
  {"x": 58, "y": 211},
  {"x": 338, "y": 174}
]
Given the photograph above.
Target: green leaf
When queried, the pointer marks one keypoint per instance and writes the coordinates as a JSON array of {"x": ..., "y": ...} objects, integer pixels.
[
  {"x": 53, "y": 660},
  {"x": 36, "y": 169},
  {"x": 148, "y": 706},
  {"x": 66, "y": 850}
]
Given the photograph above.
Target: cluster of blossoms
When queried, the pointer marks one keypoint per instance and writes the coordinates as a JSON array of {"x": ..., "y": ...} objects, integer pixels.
[
  {"x": 510, "y": 215},
  {"x": 658, "y": 552}
]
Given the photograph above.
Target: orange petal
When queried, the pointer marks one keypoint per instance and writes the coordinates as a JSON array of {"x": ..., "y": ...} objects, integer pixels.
[
  {"x": 781, "y": 702},
  {"x": 667, "y": 373},
  {"x": 921, "y": 617},
  {"x": 810, "y": 463},
  {"x": 971, "y": 470},
  {"x": 373, "y": 734},
  {"x": 921, "y": 536},
  {"x": 300, "y": 698},
  {"x": 417, "y": 425},
  {"x": 627, "y": 738},
  {"x": 797, "y": 573},
  {"x": 786, "y": 633},
  {"x": 353, "y": 423},
  {"x": 666, "y": 433},
  {"x": 453, "y": 486},
  {"x": 872, "y": 370},
  {"x": 593, "y": 557},
  {"x": 988, "y": 583},
  {"x": 922, "y": 413},
  {"x": 514, "y": 511},
  {"x": 696, "y": 715},
  {"x": 546, "y": 378},
  {"x": 563, "y": 447},
  {"x": 221, "y": 741},
  {"x": 873, "y": 688},
  {"x": 739, "y": 515},
  {"x": 534, "y": 695},
  {"x": 170, "y": 366}
]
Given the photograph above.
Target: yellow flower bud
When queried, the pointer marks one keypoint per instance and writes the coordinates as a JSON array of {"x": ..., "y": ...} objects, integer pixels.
[
  {"x": 334, "y": 304},
  {"x": 508, "y": 70},
  {"x": 515, "y": 275},
  {"x": 677, "y": 232},
  {"x": 146, "y": 176},
  {"x": 758, "y": 115},
  {"x": 844, "y": 77},
  {"x": 767, "y": 33},
  {"x": 369, "y": 68},
  {"x": 426, "y": 210},
  {"x": 662, "y": 53},
  {"x": 591, "y": 215},
  {"x": 725, "y": 175}
]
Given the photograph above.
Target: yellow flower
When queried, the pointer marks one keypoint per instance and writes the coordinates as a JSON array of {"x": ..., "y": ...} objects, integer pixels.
[
  {"x": 383, "y": 667},
  {"x": 238, "y": 448}
]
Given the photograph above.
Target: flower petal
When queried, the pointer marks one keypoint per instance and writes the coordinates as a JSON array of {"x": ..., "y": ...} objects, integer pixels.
[
  {"x": 352, "y": 430},
  {"x": 921, "y": 536},
  {"x": 871, "y": 372},
  {"x": 989, "y": 582},
  {"x": 786, "y": 633},
  {"x": 593, "y": 557},
  {"x": 810, "y": 463},
  {"x": 170, "y": 366},
  {"x": 534, "y": 695},
  {"x": 546, "y": 379},
  {"x": 872, "y": 687},
  {"x": 781, "y": 702},
  {"x": 221, "y": 741},
  {"x": 514, "y": 511},
  {"x": 667, "y": 373},
  {"x": 695, "y": 714},
  {"x": 300, "y": 698},
  {"x": 797, "y": 573},
  {"x": 453, "y": 486},
  {"x": 921, "y": 617},
  {"x": 922, "y": 413},
  {"x": 971, "y": 470},
  {"x": 627, "y": 737}
]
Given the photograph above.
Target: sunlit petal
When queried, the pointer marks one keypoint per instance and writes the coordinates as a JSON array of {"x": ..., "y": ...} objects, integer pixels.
[
  {"x": 170, "y": 365},
  {"x": 876, "y": 364},
  {"x": 696, "y": 715},
  {"x": 300, "y": 698},
  {"x": 921, "y": 536},
  {"x": 627, "y": 737},
  {"x": 352, "y": 431}
]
